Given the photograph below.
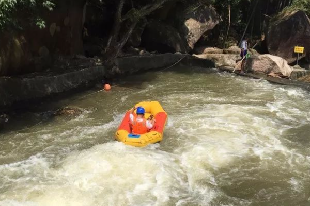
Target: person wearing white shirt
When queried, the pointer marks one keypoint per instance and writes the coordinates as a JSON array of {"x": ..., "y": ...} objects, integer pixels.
[
  {"x": 139, "y": 124},
  {"x": 244, "y": 48}
]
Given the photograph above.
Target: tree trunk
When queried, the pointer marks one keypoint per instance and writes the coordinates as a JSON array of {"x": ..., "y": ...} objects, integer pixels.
[
  {"x": 117, "y": 24},
  {"x": 116, "y": 43},
  {"x": 228, "y": 26},
  {"x": 76, "y": 23},
  {"x": 249, "y": 21}
]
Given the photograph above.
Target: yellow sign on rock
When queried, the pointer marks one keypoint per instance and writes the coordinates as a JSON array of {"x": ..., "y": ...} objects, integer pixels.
[{"x": 299, "y": 49}]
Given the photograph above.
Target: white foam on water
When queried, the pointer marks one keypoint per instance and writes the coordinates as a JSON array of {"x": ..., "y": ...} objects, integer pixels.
[
  {"x": 111, "y": 174},
  {"x": 124, "y": 98},
  {"x": 211, "y": 146}
]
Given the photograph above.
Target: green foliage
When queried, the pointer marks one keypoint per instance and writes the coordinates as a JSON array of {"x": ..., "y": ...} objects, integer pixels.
[
  {"x": 14, "y": 14},
  {"x": 302, "y": 5}
]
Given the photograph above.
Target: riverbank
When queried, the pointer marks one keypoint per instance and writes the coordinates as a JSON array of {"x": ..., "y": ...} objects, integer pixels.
[
  {"x": 30, "y": 88},
  {"x": 84, "y": 73},
  {"x": 271, "y": 68},
  {"x": 294, "y": 81},
  {"x": 237, "y": 133}
]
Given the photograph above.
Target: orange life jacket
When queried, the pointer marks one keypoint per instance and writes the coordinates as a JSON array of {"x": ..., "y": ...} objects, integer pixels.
[{"x": 139, "y": 127}]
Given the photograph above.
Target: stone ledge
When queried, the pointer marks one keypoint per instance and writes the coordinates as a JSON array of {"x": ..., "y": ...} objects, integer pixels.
[
  {"x": 20, "y": 89},
  {"x": 32, "y": 87},
  {"x": 275, "y": 80},
  {"x": 298, "y": 73}
]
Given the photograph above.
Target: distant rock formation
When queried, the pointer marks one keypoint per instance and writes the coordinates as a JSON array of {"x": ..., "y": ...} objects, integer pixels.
[
  {"x": 285, "y": 32},
  {"x": 196, "y": 21},
  {"x": 163, "y": 38},
  {"x": 181, "y": 28}
]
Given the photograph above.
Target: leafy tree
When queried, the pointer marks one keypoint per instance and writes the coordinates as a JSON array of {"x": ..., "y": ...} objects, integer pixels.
[{"x": 11, "y": 16}]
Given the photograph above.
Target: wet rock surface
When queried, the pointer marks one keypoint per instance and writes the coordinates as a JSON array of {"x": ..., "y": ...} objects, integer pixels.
[
  {"x": 68, "y": 111},
  {"x": 28, "y": 88}
]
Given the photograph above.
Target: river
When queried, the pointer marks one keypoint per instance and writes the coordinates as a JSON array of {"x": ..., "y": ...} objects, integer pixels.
[{"x": 229, "y": 140}]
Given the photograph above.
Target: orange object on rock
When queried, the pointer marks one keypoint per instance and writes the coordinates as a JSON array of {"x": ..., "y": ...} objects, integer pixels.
[{"x": 107, "y": 87}]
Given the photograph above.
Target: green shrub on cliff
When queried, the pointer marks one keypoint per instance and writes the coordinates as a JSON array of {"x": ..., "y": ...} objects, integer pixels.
[
  {"x": 15, "y": 14},
  {"x": 302, "y": 5}
]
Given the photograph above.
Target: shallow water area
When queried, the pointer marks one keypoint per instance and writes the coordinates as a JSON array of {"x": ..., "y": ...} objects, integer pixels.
[{"x": 229, "y": 140}]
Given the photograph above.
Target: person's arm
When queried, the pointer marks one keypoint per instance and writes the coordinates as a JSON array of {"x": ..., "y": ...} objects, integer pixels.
[
  {"x": 150, "y": 122},
  {"x": 131, "y": 114},
  {"x": 133, "y": 110}
]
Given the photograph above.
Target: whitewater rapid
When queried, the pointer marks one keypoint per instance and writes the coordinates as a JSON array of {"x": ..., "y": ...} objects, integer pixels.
[{"x": 228, "y": 141}]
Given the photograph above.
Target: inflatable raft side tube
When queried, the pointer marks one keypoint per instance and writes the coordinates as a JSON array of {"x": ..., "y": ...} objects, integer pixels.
[
  {"x": 125, "y": 123},
  {"x": 161, "y": 118}
]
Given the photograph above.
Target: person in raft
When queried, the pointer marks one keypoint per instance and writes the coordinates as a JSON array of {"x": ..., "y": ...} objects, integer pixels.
[{"x": 139, "y": 124}]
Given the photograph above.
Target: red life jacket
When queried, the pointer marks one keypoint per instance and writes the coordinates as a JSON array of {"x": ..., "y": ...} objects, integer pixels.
[{"x": 139, "y": 127}]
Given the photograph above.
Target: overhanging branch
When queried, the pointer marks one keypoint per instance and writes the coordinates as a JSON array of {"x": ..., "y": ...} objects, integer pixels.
[{"x": 135, "y": 14}]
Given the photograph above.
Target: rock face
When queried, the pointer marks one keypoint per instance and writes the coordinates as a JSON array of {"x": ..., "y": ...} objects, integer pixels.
[
  {"x": 221, "y": 59},
  {"x": 13, "y": 90},
  {"x": 286, "y": 32},
  {"x": 207, "y": 50},
  {"x": 180, "y": 27},
  {"x": 196, "y": 21},
  {"x": 13, "y": 54},
  {"x": 3, "y": 119},
  {"x": 143, "y": 63},
  {"x": 163, "y": 38},
  {"x": 268, "y": 64},
  {"x": 33, "y": 50},
  {"x": 232, "y": 50}
]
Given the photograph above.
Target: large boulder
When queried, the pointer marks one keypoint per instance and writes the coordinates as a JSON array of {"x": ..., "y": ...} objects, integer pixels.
[
  {"x": 195, "y": 21},
  {"x": 232, "y": 50},
  {"x": 268, "y": 64},
  {"x": 163, "y": 38},
  {"x": 221, "y": 60},
  {"x": 207, "y": 50},
  {"x": 286, "y": 31}
]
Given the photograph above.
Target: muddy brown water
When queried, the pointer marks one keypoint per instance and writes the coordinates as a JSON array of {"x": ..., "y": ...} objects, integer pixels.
[{"x": 229, "y": 140}]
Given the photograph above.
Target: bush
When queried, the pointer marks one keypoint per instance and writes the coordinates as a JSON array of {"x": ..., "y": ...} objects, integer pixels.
[
  {"x": 15, "y": 14},
  {"x": 301, "y": 5}
]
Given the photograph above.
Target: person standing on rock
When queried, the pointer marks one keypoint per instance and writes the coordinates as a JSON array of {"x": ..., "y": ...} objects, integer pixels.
[{"x": 244, "y": 48}]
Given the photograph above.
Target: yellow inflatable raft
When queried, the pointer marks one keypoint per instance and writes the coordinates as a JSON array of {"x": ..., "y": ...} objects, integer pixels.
[{"x": 123, "y": 134}]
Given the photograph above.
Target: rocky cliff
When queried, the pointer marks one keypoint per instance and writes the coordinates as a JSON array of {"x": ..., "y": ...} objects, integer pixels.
[{"x": 286, "y": 31}]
